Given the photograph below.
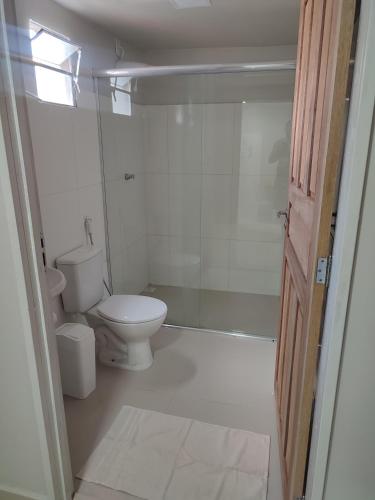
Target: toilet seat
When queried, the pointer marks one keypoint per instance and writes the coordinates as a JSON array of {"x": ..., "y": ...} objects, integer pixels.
[{"x": 132, "y": 309}]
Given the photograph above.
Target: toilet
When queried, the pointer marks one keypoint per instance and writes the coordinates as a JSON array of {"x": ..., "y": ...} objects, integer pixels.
[{"x": 123, "y": 324}]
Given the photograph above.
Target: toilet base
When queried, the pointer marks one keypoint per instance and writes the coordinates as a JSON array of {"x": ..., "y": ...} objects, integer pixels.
[{"x": 138, "y": 356}]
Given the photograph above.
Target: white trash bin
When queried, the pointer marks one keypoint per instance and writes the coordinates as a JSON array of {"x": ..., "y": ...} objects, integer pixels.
[{"x": 76, "y": 346}]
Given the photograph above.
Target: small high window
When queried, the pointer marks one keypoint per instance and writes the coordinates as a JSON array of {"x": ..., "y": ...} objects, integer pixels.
[
  {"x": 56, "y": 65},
  {"x": 121, "y": 95}
]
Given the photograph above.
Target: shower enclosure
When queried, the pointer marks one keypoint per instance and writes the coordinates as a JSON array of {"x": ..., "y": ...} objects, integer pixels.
[{"x": 195, "y": 170}]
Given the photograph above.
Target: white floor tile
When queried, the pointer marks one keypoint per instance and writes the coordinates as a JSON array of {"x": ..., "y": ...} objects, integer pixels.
[{"x": 206, "y": 376}]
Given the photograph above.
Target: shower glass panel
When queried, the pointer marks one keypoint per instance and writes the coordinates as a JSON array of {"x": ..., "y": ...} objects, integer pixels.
[{"x": 195, "y": 171}]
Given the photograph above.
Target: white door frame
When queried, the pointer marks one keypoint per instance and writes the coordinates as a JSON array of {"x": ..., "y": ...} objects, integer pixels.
[
  {"x": 357, "y": 144},
  {"x": 43, "y": 345}
]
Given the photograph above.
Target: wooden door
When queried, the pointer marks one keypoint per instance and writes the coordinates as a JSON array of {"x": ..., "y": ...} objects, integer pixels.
[{"x": 325, "y": 36}]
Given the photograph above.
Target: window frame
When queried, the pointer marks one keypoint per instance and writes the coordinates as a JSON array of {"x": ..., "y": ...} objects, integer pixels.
[
  {"x": 118, "y": 88},
  {"x": 73, "y": 73}
]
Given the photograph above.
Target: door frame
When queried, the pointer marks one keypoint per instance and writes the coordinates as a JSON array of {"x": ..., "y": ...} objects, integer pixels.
[
  {"x": 353, "y": 175},
  {"x": 353, "y": 179},
  {"x": 43, "y": 345}
]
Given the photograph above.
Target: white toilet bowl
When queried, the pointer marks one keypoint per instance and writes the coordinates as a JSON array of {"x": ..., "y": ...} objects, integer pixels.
[
  {"x": 131, "y": 320},
  {"x": 123, "y": 324}
]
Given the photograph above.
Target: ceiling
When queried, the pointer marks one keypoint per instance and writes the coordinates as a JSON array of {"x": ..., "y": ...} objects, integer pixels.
[{"x": 156, "y": 24}]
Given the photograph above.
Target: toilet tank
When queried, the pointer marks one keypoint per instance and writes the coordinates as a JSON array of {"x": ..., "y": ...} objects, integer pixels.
[{"x": 83, "y": 270}]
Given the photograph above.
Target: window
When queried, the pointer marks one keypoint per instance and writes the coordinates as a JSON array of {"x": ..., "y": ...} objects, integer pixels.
[
  {"x": 121, "y": 95},
  {"x": 56, "y": 66}
]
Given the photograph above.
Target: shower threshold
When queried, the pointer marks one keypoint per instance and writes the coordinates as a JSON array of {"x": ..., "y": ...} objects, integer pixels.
[
  {"x": 246, "y": 335},
  {"x": 232, "y": 313}
]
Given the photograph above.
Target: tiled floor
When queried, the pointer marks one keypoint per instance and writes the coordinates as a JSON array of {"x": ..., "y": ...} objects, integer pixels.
[
  {"x": 219, "y": 310},
  {"x": 207, "y": 376}
]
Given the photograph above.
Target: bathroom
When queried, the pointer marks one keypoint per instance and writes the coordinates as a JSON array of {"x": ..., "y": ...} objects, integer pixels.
[{"x": 160, "y": 135}]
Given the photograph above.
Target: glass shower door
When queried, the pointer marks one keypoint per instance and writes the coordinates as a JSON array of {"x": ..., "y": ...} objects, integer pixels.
[
  {"x": 173, "y": 147},
  {"x": 151, "y": 173},
  {"x": 195, "y": 171},
  {"x": 121, "y": 134}
]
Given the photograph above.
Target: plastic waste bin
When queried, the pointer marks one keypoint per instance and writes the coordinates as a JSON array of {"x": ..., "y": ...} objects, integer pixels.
[{"x": 76, "y": 346}]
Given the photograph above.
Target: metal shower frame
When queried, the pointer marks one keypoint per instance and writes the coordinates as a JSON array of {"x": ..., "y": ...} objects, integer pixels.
[{"x": 194, "y": 69}]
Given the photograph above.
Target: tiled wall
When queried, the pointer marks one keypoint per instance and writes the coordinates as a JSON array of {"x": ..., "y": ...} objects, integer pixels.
[
  {"x": 216, "y": 174},
  {"x": 65, "y": 140},
  {"x": 67, "y": 163},
  {"x": 201, "y": 210},
  {"x": 68, "y": 171},
  {"x": 122, "y": 143}
]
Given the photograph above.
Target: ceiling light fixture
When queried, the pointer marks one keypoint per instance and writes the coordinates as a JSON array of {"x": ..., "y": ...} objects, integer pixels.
[{"x": 190, "y": 4}]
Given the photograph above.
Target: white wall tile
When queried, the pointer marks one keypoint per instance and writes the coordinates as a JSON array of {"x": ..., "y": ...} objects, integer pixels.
[
  {"x": 156, "y": 139},
  {"x": 219, "y": 138},
  {"x": 128, "y": 138},
  {"x": 86, "y": 147},
  {"x": 133, "y": 209},
  {"x": 185, "y": 261},
  {"x": 61, "y": 222},
  {"x": 136, "y": 270},
  {"x": 254, "y": 281},
  {"x": 185, "y": 138},
  {"x": 118, "y": 262},
  {"x": 255, "y": 202},
  {"x": 139, "y": 118},
  {"x": 255, "y": 255},
  {"x": 158, "y": 260},
  {"x": 215, "y": 252},
  {"x": 90, "y": 201},
  {"x": 215, "y": 263},
  {"x": 114, "y": 210},
  {"x": 265, "y": 138},
  {"x": 216, "y": 206},
  {"x": 185, "y": 204},
  {"x": 86, "y": 98},
  {"x": 215, "y": 278},
  {"x": 53, "y": 146},
  {"x": 187, "y": 193},
  {"x": 122, "y": 138},
  {"x": 157, "y": 203},
  {"x": 113, "y": 166},
  {"x": 258, "y": 231}
]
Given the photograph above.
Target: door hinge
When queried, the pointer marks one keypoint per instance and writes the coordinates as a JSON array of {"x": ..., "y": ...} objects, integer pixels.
[{"x": 323, "y": 270}]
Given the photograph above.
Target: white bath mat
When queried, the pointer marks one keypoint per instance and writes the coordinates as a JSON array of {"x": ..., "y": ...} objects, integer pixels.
[{"x": 156, "y": 456}]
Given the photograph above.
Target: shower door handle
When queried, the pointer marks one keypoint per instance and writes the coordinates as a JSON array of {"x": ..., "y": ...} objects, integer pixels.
[{"x": 283, "y": 214}]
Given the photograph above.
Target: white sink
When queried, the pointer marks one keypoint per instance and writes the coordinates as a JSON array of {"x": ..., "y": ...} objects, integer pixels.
[{"x": 56, "y": 281}]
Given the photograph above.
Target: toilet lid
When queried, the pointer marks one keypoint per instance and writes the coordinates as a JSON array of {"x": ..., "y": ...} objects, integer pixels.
[{"x": 132, "y": 308}]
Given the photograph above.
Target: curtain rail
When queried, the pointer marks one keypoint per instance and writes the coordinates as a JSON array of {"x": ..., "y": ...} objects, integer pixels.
[{"x": 194, "y": 69}]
